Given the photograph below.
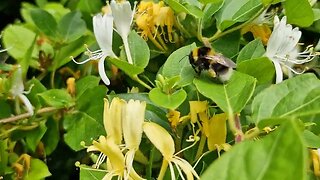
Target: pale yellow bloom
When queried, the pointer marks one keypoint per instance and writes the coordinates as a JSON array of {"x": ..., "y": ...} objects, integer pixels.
[
  {"x": 155, "y": 22},
  {"x": 217, "y": 131},
  {"x": 133, "y": 117},
  {"x": 162, "y": 140},
  {"x": 197, "y": 107},
  {"x": 112, "y": 119}
]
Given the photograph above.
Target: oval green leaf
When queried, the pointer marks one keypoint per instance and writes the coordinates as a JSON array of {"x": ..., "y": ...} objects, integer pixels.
[
  {"x": 45, "y": 22},
  {"x": 230, "y": 97},
  {"x": 171, "y": 101}
]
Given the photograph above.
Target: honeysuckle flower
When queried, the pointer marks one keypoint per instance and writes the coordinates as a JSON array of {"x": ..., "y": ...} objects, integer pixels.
[
  {"x": 109, "y": 149},
  {"x": 162, "y": 140},
  {"x": 17, "y": 90},
  {"x": 155, "y": 21},
  {"x": 315, "y": 157},
  {"x": 217, "y": 131},
  {"x": 282, "y": 48},
  {"x": 112, "y": 119},
  {"x": 123, "y": 17},
  {"x": 197, "y": 107},
  {"x": 103, "y": 29},
  {"x": 132, "y": 119}
]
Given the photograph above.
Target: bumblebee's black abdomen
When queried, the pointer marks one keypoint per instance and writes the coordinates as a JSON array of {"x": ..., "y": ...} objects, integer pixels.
[{"x": 219, "y": 68}]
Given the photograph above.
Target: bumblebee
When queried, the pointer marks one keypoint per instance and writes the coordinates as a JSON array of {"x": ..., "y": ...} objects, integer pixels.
[{"x": 206, "y": 59}]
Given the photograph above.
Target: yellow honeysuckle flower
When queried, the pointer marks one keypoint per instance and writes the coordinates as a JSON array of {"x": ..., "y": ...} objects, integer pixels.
[
  {"x": 217, "y": 131},
  {"x": 152, "y": 16},
  {"x": 174, "y": 118},
  {"x": 261, "y": 31},
  {"x": 165, "y": 145},
  {"x": 132, "y": 120},
  {"x": 112, "y": 119},
  {"x": 197, "y": 107},
  {"x": 111, "y": 150}
]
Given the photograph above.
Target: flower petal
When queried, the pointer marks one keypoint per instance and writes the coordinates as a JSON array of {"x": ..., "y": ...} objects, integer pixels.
[
  {"x": 279, "y": 73},
  {"x": 123, "y": 16},
  {"x": 103, "y": 31},
  {"x": 160, "y": 138},
  {"x": 133, "y": 118},
  {"x": 102, "y": 71}
]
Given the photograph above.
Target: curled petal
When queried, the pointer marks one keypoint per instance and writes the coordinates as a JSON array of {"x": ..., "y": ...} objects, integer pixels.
[
  {"x": 279, "y": 73},
  {"x": 27, "y": 103},
  {"x": 102, "y": 71}
]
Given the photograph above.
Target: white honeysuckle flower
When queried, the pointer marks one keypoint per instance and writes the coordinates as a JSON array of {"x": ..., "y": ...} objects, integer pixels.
[
  {"x": 123, "y": 17},
  {"x": 283, "y": 50},
  {"x": 17, "y": 90},
  {"x": 103, "y": 30}
]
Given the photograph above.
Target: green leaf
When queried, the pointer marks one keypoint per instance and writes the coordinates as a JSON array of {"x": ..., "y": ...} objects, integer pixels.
[
  {"x": 228, "y": 45},
  {"x": 45, "y": 22},
  {"x": 299, "y": 12},
  {"x": 178, "y": 64},
  {"x": 312, "y": 140},
  {"x": 252, "y": 50},
  {"x": 94, "y": 108},
  {"x": 38, "y": 170},
  {"x": 52, "y": 136},
  {"x": 4, "y": 155},
  {"x": 210, "y": 1},
  {"x": 89, "y": 173},
  {"x": 171, "y": 101},
  {"x": 58, "y": 98},
  {"x": 139, "y": 50},
  {"x": 189, "y": 9},
  {"x": 267, "y": 158},
  {"x": 234, "y": 11},
  {"x": 18, "y": 40},
  {"x": 5, "y": 109},
  {"x": 89, "y": 6},
  {"x": 209, "y": 10},
  {"x": 81, "y": 127},
  {"x": 74, "y": 49},
  {"x": 129, "y": 69},
  {"x": 34, "y": 136},
  {"x": 269, "y": 2},
  {"x": 85, "y": 83},
  {"x": 295, "y": 97},
  {"x": 71, "y": 27},
  {"x": 262, "y": 69},
  {"x": 230, "y": 97},
  {"x": 316, "y": 13},
  {"x": 37, "y": 88}
]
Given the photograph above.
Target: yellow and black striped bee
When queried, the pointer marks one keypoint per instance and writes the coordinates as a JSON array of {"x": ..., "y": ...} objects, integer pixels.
[{"x": 206, "y": 59}]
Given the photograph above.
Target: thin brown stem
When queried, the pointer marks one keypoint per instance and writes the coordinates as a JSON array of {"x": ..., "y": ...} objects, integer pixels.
[{"x": 27, "y": 115}]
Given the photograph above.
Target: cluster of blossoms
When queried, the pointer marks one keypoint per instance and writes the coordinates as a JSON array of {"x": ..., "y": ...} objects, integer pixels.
[
  {"x": 155, "y": 22},
  {"x": 121, "y": 16},
  {"x": 124, "y": 122}
]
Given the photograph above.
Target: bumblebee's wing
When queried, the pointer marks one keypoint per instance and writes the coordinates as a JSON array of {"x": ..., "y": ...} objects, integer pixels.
[{"x": 219, "y": 58}]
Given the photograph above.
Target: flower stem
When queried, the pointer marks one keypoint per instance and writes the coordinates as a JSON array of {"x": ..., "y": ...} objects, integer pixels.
[
  {"x": 127, "y": 50},
  {"x": 27, "y": 115},
  {"x": 201, "y": 145},
  {"x": 136, "y": 78},
  {"x": 149, "y": 166},
  {"x": 163, "y": 169}
]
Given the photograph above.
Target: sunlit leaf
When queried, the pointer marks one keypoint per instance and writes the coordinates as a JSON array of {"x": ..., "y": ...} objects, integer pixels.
[
  {"x": 230, "y": 97},
  {"x": 298, "y": 96}
]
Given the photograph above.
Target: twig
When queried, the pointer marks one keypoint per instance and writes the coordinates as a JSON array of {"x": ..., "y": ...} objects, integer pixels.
[{"x": 26, "y": 115}]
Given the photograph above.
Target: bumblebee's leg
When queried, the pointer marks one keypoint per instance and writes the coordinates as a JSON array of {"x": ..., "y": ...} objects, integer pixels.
[{"x": 212, "y": 73}]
